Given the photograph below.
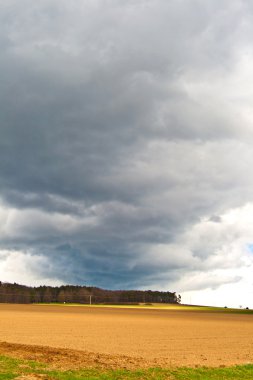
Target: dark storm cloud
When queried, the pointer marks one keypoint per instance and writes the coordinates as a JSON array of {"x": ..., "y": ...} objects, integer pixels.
[{"x": 115, "y": 135}]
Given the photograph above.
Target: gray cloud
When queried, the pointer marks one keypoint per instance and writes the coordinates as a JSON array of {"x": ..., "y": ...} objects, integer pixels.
[{"x": 122, "y": 126}]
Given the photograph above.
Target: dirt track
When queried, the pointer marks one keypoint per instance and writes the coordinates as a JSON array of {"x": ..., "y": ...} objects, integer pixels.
[{"x": 125, "y": 337}]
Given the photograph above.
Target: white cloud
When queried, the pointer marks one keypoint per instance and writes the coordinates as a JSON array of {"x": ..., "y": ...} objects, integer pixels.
[
  {"x": 224, "y": 272},
  {"x": 22, "y": 267}
]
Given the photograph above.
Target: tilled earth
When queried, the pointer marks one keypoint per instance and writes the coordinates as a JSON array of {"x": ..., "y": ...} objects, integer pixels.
[{"x": 76, "y": 337}]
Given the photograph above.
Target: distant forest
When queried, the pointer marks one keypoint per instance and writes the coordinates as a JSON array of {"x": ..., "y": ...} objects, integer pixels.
[{"x": 15, "y": 293}]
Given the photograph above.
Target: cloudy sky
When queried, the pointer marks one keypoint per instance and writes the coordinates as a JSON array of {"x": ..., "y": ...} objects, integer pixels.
[{"x": 126, "y": 145}]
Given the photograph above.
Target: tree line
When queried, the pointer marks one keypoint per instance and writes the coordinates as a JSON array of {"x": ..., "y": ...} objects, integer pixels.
[{"x": 15, "y": 293}]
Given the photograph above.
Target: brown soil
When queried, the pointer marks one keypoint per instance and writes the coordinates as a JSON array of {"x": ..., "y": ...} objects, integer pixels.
[{"x": 75, "y": 337}]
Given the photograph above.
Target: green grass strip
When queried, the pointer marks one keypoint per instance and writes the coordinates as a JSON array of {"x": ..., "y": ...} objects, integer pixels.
[
  {"x": 207, "y": 309},
  {"x": 16, "y": 368}
]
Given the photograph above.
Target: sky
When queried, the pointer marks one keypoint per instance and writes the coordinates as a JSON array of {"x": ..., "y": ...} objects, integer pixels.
[{"x": 126, "y": 146}]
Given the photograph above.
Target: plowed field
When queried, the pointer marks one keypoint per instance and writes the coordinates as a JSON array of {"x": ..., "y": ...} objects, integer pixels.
[{"x": 130, "y": 338}]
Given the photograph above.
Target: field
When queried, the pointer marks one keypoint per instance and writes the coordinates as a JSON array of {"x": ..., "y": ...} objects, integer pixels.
[{"x": 109, "y": 340}]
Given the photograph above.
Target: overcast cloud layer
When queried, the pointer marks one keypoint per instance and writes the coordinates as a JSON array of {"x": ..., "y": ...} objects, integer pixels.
[{"x": 126, "y": 145}]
